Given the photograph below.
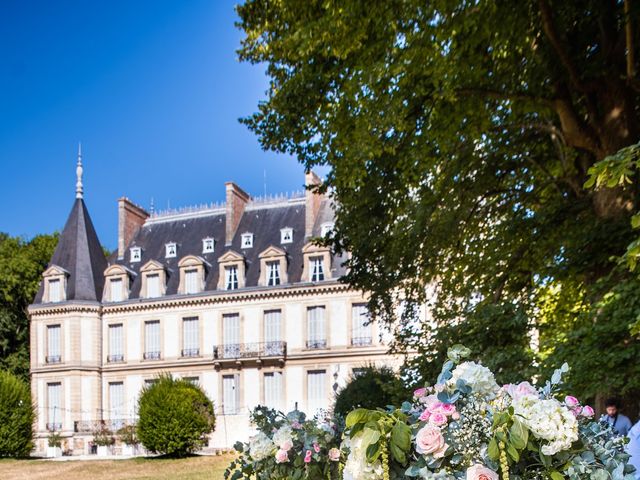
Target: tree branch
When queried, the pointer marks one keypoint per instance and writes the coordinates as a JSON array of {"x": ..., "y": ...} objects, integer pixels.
[
  {"x": 552, "y": 34},
  {"x": 628, "y": 27}
]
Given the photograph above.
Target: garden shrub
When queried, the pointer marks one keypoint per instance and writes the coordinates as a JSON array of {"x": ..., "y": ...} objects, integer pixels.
[
  {"x": 175, "y": 417},
  {"x": 372, "y": 388},
  {"x": 17, "y": 415}
]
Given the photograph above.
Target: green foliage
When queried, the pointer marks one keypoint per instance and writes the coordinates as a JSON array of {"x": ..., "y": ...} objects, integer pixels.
[
  {"x": 103, "y": 436},
  {"x": 458, "y": 137},
  {"x": 175, "y": 417},
  {"x": 372, "y": 388},
  {"x": 17, "y": 415},
  {"x": 54, "y": 440},
  {"x": 21, "y": 265}
]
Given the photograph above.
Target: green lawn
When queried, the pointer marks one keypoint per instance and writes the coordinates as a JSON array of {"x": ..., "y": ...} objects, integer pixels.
[{"x": 192, "y": 468}]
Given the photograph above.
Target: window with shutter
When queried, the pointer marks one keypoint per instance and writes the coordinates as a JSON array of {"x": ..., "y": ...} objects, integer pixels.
[
  {"x": 54, "y": 406},
  {"x": 115, "y": 289},
  {"x": 316, "y": 328},
  {"x": 153, "y": 285},
  {"x": 190, "y": 337},
  {"x": 316, "y": 391},
  {"x": 273, "y": 390},
  {"x": 361, "y": 329},
  {"x": 116, "y": 341},
  {"x": 55, "y": 290},
  {"x": 231, "y": 277},
  {"x": 230, "y": 395},
  {"x": 152, "y": 340},
  {"x": 191, "y": 283},
  {"x": 273, "y": 274},
  {"x": 231, "y": 335},
  {"x": 116, "y": 405},
  {"x": 53, "y": 344},
  {"x": 317, "y": 269}
]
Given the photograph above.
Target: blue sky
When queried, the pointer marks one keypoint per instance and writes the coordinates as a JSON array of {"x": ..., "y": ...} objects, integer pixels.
[{"x": 153, "y": 90}]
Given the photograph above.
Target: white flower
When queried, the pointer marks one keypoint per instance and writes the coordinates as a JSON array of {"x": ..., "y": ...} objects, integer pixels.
[
  {"x": 478, "y": 377},
  {"x": 548, "y": 420},
  {"x": 283, "y": 437},
  {"x": 357, "y": 467},
  {"x": 260, "y": 446}
]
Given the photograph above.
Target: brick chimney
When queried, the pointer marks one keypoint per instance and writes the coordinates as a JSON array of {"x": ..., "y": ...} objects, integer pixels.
[
  {"x": 237, "y": 199},
  {"x": 312, "y": 202},
  {"x": 130, "y": 218}
]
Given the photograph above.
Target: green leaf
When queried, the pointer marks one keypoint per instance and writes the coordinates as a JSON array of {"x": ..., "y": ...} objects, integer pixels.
[
  {"x": 356, "y": 416},
  {"x": 513, "y": 453},
  {"x": 401, "y": 436},
  {"x": 555, "y": 475},
  {"x": 518, "y": 434},
  {"x": 493, "y": 450}
]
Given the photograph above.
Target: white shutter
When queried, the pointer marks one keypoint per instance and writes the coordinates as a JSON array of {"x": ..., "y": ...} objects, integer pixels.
[
  {"x": 272, "y": 326},
  {"x": 191, "y": 281},
  {"x": 190, "y": 340},
  {"x": 54, "y": 290},
  {"x": 231, "y": 335},
  {"x": 116, "y": 350},
  {"x": 116, "y": 401},
  {"x": 115, "y": 287},
  {"x": 53, "y": 342},
  {"x": 273, "y": 390},
  {"x": 316, "y": 391},
  {"x": 361, "y": 329},
  {"x": 54, "y": 406},
  {"x": 315, "y": 325},
  {"x": 153, "y": 285},
  {"x": 152, "y": 337},
  {"x": 230, "y": 394}
]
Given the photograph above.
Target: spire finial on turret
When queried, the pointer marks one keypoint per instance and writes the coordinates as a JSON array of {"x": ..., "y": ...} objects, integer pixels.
[{"x": 79, "y": 189}]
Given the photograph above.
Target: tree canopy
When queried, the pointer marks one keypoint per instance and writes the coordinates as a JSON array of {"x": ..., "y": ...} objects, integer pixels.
[
  {"x": 459, "y": 137},
  {"x": 21, "y": 265}
]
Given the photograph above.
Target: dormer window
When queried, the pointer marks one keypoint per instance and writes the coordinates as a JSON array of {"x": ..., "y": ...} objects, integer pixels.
[
  {"x": 117, "y": 283},
  {"x": 247, "y": 240},
  {"x": 154, "y": 280},
  {"x": 317, "y": 269},
  {"x": 170, "y": 250},
  {"x": 192, "y": 274},
  {"x": 208, "y": 245},
  {"x": 231, "y": 277},
  {"x": 135, "y": 254},
  {"x": 286, "y": 235},
  {"x": 55, "y": 290},
  {"x": 273, "y": 273},
  {"x": 326, "y": 229},
  {"x": 55, "y": 284}
]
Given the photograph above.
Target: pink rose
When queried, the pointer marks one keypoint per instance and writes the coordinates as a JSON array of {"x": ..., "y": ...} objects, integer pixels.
[
  {"x": 523, "y": 389},
  {"x": 587, "y": 411},
  {"x": 478, "y": 472},
  {"x": 430, "y": 401},
  {"x": 334, "y": 455},
  {"x": 455, "y": 416},
  {"x": 424, "y": 416},
  {"x": 448, "y": 409},
  {"x": 571, "y": 401},
  {"x": 307, "y": 457},
  {"x": 419, "y": 393},
  {"x": 316, "y": 448},
  {"x": 429, "y": 440},
  {"x": 282, "y": 456},
  {"x": 435, "y": 407},
  {"x": 295, "y": 424},
  {"x": 438, "y": 419},
  {"x": 286, "y": 445}
]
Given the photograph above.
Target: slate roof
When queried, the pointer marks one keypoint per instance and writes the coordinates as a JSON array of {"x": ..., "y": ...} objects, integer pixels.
[
  {"x": 79, "y": 252},
  {"x": 188, "y": 233}
]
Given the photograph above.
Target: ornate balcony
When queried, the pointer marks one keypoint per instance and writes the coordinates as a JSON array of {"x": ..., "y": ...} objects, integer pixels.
[
  {"x": 115, "y": 358},
  {"x": 361, "y": 341},
  {"x": 50, "y": 359},
  {"x": 190, "y": 352},
  {"x": 90, "y": 426},
  {"x": 247, "y": 353},
  {"x": 54, "y": 427},
  {"x": 151, "y": 355},
  {"x": 317, "y": 344}
]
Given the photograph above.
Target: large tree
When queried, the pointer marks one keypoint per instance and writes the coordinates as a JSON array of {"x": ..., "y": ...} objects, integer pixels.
[
  {"x": 21, "y": 265},
  {"x": 459, "y": 137}
]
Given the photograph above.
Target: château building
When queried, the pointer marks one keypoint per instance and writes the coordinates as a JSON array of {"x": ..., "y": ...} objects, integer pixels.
[{"x": 236, "y": 297}]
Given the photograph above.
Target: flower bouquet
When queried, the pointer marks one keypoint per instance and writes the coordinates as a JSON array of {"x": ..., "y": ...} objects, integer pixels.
[
  {"x": 468, "y": 427},
  {"x": 288, "y": 447}
]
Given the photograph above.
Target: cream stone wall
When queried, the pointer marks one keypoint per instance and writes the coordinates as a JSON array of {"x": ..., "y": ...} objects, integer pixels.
[{"x": 85, "y": 372}]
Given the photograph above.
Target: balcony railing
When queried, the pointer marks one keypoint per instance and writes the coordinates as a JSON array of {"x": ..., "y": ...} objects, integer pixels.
[
  {"x": 190, "y": 352},
  {"x": 317, "y": 343},
  {"x": 250, "y": 350},
  {"x": 54, "y": 427},
  {"x": 53, "y": 359},
  {"x": 151, "y": 355},
  {"x": 90, "y": 426},
  {"x": 115, "y": 358},
  {"x": 361, "y": 341}
]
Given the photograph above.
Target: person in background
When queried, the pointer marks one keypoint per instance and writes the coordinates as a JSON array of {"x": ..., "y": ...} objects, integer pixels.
[
  {"x": 619, "y": 422},
  {"x": 633, "y": 448}
]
